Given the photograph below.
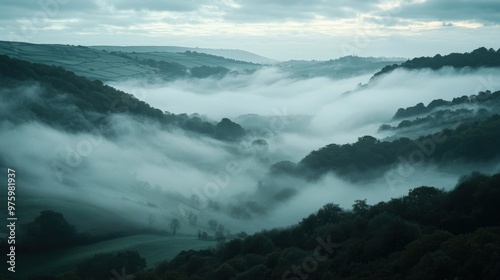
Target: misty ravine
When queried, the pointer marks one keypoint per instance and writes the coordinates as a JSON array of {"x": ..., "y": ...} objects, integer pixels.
[{"x": 248, "y": 170}]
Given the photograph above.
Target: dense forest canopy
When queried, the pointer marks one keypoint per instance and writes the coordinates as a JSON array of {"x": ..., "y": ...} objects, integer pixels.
[
  {"x": 420, "y": 109},
  {"x": 74, "y": 103},
  {"x": 470, "y": 142},
  {"x": 481, "y": 57},
  {"x": 427, "y": 234}
]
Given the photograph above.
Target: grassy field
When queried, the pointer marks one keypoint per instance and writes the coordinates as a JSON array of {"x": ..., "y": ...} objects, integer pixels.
[
  {"x": 103, "y": 65},
  {"x": 154, "y": 248}
]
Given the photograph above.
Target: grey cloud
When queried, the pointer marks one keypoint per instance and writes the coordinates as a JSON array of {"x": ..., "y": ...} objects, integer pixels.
[
  {"x": 388, "y": 21},
  {"x": 486, "y": 11},
  {"x": 159, "y": 5},
  {"x": 279, "y": 10},
  {"x": 27, "y": 8}
]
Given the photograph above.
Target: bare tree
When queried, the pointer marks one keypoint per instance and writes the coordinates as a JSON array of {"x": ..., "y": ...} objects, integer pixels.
[{"x": 174, "y": 225}]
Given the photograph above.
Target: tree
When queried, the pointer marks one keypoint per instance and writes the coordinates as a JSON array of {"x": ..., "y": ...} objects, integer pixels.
[
  {"x": 192, "y": 218},
  {"x": 100, "y": 266},
  {"x": 242, "y": 234},
  {"x": 225, "y": 272},
  {"x": 174, "y": 225},
  {"x": 258, "y": 244},
  {"x": 360, "y": 207},
  {"x": 204, "y": 235},
  {"x": 50, "y": 230},
  {"x": 228, "y": 130}
]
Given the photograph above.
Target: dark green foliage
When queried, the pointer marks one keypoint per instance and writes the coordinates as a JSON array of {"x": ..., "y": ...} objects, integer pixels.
[
  {"x": 70, "y": 102},
  {"x": 225, "y": 272},
  {"x": 200, "y": 126},
  {"x": 283, "y": 167},
  {"x": 256, "y": 272},
  {"x": 174, "y": 225},
  {"x": 389, "y": 233},
  {"x": 146, "y": 275},
  {"x": 470, "y": 142},
  {"x": 101, "y": 266},
  {"x": 228, "y": 130},
  {"x": 412, "y": 237},
  {"x": 49, "y": 231},
  {"x": 257, "y": 244},
  {"x": 168, "y": 69},
  {"x": 171, "y": 70},
  {"x": 208, "y": 71},
  {"x": 411, "y": 111},
  {"x": 486, "y": 98},
  {"x": 415, "y": 250},
  {"x": 481, "y": 57}
]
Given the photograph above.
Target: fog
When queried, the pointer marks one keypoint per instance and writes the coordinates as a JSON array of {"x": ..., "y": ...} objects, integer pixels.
[
  {"x": 105, "y": 184},
  {"x": 334, "y": 111}
]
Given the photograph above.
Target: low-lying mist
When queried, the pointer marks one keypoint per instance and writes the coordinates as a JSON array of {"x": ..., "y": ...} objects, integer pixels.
[
  {"x": 107, "y": 184},
  {"x": 310, "y": 113}
]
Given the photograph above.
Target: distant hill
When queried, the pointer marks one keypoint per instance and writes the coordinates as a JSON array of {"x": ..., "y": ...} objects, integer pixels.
[
  {"x": 116, "y": 65},
  {"x": 227, "y": 53},
  {"x": 439, "y": 114},
  {"x": 480, "y": 57},
  {"x": 341, "y": 68},
  {"x": 91, "y": 63}
]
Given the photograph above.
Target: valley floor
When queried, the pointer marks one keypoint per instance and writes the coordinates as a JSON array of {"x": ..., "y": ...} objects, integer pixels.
[{"x": 154, "y": 248}]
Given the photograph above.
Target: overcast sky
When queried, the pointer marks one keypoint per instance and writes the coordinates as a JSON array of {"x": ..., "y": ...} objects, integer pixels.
[{"x": 279, "y": 29}]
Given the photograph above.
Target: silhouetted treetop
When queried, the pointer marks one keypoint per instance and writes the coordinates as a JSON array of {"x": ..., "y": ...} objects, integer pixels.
[{"x": 480, "y": 57}]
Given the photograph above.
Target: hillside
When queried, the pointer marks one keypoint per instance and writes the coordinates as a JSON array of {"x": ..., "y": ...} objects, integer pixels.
[
  {"x": 427, "y": 234},
  {"x": 370, "y": 157},
  {"x": 341, "y": 68},
  {"x": 240, "y": 55},
  {"x": 439, "y": 114},
  {"x": 480, "y": 57},
  {"x": 154, "y": 248},
  {"x": 61, "y": 99},
  {"x": 116, "y": 66}
]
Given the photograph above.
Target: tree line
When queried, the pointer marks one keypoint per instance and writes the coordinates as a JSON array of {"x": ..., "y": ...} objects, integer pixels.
[
  {"x": 76, "y": 104},
  {"x": 427, "y": 234},
  {"x": 481, "y": 57},
  {"x": 470, "y": 142}
]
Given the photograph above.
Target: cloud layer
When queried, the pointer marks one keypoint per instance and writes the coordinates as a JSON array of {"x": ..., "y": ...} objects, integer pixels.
[
  {"x": 107, "y": 184},
  {"x": 278, "y": 29}
]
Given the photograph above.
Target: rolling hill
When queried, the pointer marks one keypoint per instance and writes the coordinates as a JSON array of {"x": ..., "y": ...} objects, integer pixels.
[
  {"x": 102, "y": 65},
  {"x": 341, "y": 68},
  {"x": 226, "y": 53},
  {"x": 62, "y": 95},
  {"x": 154, "y": 248},
  {"x": 480, "y": 57}
]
